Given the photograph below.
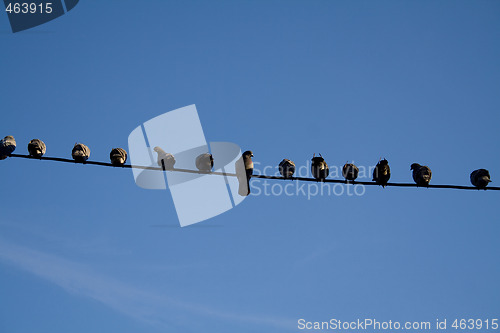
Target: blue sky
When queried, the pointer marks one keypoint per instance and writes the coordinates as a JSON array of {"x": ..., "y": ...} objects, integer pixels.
[{"x": 83, "y": 249}]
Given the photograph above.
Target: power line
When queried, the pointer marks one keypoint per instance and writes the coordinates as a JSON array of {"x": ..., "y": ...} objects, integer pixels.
[{"x": 304, "y": 179}]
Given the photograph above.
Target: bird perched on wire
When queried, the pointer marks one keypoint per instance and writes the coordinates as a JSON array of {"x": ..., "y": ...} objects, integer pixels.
[
  {"x": 421, "y": 174},
  {"x": 36, "y": 148},
  {"x": 244, "y": 171},
  {"x": 118, "y": 156},
  {"x": 165, "y": 160},
  {"x": 80, "y": 152},
  {"x": 350, "y": 171},
  {"x": 7, "y": 146},
  {"x": 382, "y": 173},
  {"x": 287, "y": 168},
  {"x": 205, "y": 162},
  {"x": 480, "y": 178},
  {"x": 319, "y": 168}
]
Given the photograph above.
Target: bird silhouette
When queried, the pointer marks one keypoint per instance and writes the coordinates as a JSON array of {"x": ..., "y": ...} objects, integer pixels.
[
  {"x": 7, "y": 146},
  {"x": 244, "y": 171},
  {"x": 80, "y": 153},
  {"x": 287, "y": 168},
  {"x": 118, "y": 156},
  {"x": 422, "y": 174},
  {"x": 165, "y": 160},
  {"x": 319, "y": 168},
  {"x": 205, "y": 162},
  {"x": 350, "y": 171},
  {"x": 480, "y": 178},
  {"x": 382, "y": 173},
  {"x": 36, "y": 148}
]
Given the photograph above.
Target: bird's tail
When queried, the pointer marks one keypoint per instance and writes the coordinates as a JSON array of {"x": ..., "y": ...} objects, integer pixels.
[{"x": 244, "y": 186}]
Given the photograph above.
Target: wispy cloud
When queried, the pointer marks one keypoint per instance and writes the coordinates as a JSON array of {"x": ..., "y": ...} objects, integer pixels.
[
  {"x": 144, "y": 305},
  {"x": 311, "y": 257}
]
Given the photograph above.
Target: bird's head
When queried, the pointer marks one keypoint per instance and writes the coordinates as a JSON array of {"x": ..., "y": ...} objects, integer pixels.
[
  {"x": 383, "y": 162},
  {"x": 248, "y": 153},
  {"x": 486, "y": 179},
  {"x": 415, "y": 166},
  {"x": 317, "y": 159},
  {"x": 158, "y": 150}
]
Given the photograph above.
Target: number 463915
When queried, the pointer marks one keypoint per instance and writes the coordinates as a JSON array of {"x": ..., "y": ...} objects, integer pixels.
[
  {"x": 29, "y": 8},
  {"x": 475, "y": 324}
]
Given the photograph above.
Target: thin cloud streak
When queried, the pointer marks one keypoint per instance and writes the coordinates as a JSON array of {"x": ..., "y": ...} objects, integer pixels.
[{"x": 143, "y": 305}]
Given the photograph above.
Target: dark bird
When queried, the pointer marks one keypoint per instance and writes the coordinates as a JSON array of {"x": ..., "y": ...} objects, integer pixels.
[
  {"x": 287, "y": 168},
  {"x": 244, "y": 171},
  {"x": 165, "y": 160},
  {"x": 480, "y": 178},
  {"x": 36, "y": 148},
  {"x": 382, "y": 173},
  {"x": 80, "y": 152},
  {"x": 205, "y": 162},
  {"x": 319, "y": 168},
  {"x": 421, "y": 174},
  {"x": 7, "y": 146},
  {"x": 118, "y": 156},
  {"x": 350, "y": 171}
]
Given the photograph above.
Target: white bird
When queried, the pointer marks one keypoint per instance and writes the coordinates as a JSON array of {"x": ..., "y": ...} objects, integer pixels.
[{"x": 165, "y": 160}]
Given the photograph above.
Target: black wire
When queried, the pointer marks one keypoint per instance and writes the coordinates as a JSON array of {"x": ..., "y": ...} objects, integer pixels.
[{"x": 338, "y": 181}]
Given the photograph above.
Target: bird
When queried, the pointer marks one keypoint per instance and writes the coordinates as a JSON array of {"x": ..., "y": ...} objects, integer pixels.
[
  {"x": 165, "y": 160},
  {"x": 422, "y": 174},
  {"x": 36, "y": 148},
  {"x": 319, "y": 168},
  {"x": 480, "y": 178},
  {"x": 205, "y": 162},
  {"x": 350, "y": 171},
  {"x": 7, "y": 146},
  {"x": 80, "y": 152},
  {"x": 382, "y": 173},
  {"x": 244, "y": 171},
  {"x": 118, "y": 156},
  {"x": 287, "y": 168}
]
